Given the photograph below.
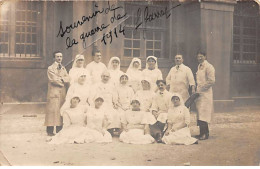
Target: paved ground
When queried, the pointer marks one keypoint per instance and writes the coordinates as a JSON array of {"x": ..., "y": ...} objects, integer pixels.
[{"x": 234, "y": 141}]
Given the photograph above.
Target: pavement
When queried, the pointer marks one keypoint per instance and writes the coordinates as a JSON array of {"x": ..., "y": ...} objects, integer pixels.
[{"x": 234, "y": 141}]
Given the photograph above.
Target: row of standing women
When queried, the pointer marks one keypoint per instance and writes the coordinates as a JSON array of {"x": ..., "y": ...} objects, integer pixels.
[{"x": 103, "y": 100}]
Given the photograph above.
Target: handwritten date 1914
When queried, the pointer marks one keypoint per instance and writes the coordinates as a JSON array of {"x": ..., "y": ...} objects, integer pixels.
[{"x": 109, "y": 35}]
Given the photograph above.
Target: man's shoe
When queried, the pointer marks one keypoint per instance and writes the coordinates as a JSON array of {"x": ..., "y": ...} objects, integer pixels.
[
  {"x": 111, "y": 132},
  {"x": 51, "y": 134},
  {"x": 197, "y": 136},
  {"x": 159, "y": 138},
  {"x": 204, "y": 137},
  {"x": 116, "y": 132}
]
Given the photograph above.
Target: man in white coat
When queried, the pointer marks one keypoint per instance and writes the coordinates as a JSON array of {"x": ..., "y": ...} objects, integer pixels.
[
  {"x": 205, "y": 80},
  {"x": 96, "y": 67},
  {"x": 180, "y": 78}
]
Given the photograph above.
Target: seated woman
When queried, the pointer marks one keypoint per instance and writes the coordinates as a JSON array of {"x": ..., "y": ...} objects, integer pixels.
[
  {"x": 145, "y": 95},
  {"x": 152, "y": 72},
  {"x": 135, "y": 74},
  {"x": 114, "y": 70},
  {"x": 79, "y": 88},
  {"x": 135, "y": 125},
  {"x": 97, "y": 122},
  {"x": 125, "y": 93},
  {"x": 73, "y": 124},
  {"x": 108, "y": 91},
  {"x": 178, "y": 131},
  {"x": 78, "y": 66}
]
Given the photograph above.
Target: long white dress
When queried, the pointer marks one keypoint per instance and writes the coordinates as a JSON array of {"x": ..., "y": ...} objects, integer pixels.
[
  {"x": 109, "y": 94},
  {"x": 95, "y": 70},
  {"x": 152, "y": 75},
  {"x": 135, "y": 75},
  {"x": 82, "y": 91},
  {"x": 146, "y": 99},
  {"x": 135, "y": 121},
  {"x": 125, "y": 95},
  {"x": 73, "y": 74},
  {"x": 115, "y": 76},
  {"x": 95, "y": 121},
  {"x": 177, "y": 116},
  {"x": 73, "y": 126}
]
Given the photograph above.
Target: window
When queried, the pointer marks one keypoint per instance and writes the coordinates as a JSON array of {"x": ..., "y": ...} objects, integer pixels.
[
  {"x": 246, "y": 33},
  {"x": 20, "y": 30},
  {"x": 149, "y": 38},
  {"x": 132, "y": 43},
  {"x": 153, "y": 44}
]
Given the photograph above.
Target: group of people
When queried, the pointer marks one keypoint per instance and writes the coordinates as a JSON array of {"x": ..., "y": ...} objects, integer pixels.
[{"x": 138, "y": 106}]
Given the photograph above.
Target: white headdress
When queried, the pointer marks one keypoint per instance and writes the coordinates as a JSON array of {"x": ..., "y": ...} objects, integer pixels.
[
  {"x": 110, "y": 66},
  {"x": 82, "y": 72},
  {"x": 67, "y": 103},
  {"x": 178, "y": 95},
  {"x": 131, "y": 66},
  {"x": 77, "y": 57},
  {"x": 156, "y": 63}
]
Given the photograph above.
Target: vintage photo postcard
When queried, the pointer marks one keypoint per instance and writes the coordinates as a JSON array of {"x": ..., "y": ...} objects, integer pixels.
[{"x": 129, "y": 83}]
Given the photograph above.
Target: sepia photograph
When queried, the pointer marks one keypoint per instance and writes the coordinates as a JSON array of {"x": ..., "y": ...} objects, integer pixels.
[{"x": 130, "y": 83}]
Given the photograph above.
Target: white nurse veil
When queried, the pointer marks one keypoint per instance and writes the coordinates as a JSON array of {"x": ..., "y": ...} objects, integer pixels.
[
  {"x": 131, "y": 66},
  {"x": 153, "y": 57},
  {"x": 77, "y": 57},
  {"x": 110, "y": 66},
  {"x": 180, "y": 97}
]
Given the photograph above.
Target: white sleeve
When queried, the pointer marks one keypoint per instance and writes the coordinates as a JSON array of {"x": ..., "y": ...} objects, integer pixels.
[
  {"x": 168, "y": 78},
  {"x": 190, "y": 77},
  {"x": 66, "y": 119}
]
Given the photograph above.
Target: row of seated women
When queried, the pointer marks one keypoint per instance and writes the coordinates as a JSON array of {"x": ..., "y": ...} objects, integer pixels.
[
  {"x": 85, "y": 124},
  {"x": 101, "y": 100}
]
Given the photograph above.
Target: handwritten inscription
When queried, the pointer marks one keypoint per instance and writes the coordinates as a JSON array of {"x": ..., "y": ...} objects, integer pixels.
[
  {"x": 70, "y": 27},
  {"x": 83, "y": 36},
  {"x": 110, "y": 9},
  {"x": 149, "y": 16},
  {"x": 70, "y": 42},
  {"x": 110, "y": 34},
  {"x": 143, "y": 15}
]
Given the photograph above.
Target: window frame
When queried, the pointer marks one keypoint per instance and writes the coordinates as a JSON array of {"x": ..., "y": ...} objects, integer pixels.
[
  {"x": 241, "y": 41},
  {"x": 143, "y": 30},
  {"x": 26, "y": 62}
]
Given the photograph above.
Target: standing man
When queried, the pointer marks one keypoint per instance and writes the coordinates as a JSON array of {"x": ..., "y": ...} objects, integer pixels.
[
  {"x": 180, "y": 78},
  {"x": 96, "y": 67},
  {"x": 58, "y": 77},
  {"x": 205, "y": 80},
  {"x": 160, "y": 106}
]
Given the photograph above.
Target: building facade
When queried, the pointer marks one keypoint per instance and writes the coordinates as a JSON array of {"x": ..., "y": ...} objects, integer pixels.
[{"x": 227, "y": 30}]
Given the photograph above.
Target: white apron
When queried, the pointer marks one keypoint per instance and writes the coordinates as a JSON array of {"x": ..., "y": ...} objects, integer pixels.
[{"x": 204, "y": 103}]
